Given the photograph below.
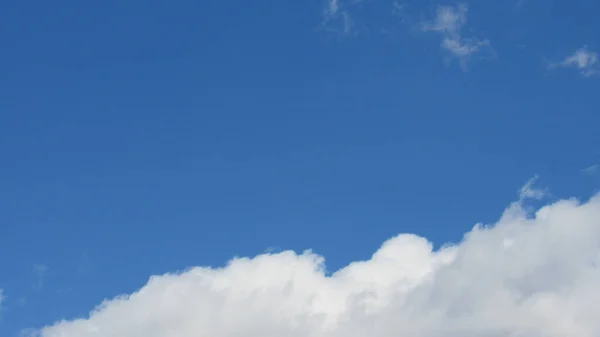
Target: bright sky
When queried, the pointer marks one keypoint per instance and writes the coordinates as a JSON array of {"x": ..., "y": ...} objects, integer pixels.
[{"x": 139, "y": 138}]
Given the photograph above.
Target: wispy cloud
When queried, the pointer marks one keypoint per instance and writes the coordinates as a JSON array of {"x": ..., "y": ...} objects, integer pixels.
[
  {"x": 84, "y": 265},
  {"x": 519, "y": 5},
  {"x": 336, "y": 11},
  {"x": 448, "y": 22},
  {"x": 39, "y": 271},
  {"x": 333, "y": 6},
  {"x": 22, "y": 301},
  {"x": 2, "y": 300},
  {"x": 593, "y": 169},
  {"x": 582, "y": 59},
  {"x": 528, "y": 191}
]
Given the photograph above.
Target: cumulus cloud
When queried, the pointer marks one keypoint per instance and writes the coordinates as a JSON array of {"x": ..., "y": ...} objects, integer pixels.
[
  {"x": 530, "y": 275},
  {"x": 583, "y": 60},
  {"x": 448, "y": 22}
]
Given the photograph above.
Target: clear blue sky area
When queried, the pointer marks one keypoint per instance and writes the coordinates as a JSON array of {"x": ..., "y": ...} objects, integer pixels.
[{"x": 142, "y": 137}]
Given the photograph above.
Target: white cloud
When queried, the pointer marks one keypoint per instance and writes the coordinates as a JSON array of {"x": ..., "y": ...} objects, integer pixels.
[
  {"x": 1, "y": 298},
  {"x": 449, "y": 22},
  {"x": 533, "y": 276},
  {"x": 583, "y": 60}
]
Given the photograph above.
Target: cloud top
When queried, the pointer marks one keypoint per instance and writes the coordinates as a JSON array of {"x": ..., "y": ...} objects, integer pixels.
[{"x": 528, "y": 275}]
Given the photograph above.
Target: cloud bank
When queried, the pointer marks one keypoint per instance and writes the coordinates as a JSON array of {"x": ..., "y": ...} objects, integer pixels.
[{"x": 529, "y": 274}]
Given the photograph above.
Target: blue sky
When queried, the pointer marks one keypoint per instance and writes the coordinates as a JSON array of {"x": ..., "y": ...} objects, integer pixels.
[{"x": 142, "y": 137}]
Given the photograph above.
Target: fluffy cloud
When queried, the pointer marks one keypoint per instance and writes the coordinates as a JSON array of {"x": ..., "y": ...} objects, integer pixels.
[
  {"x": 449, "y": 22},
  {"x": 526, "y": 275},
  {"x": 583, "y": 60}
]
